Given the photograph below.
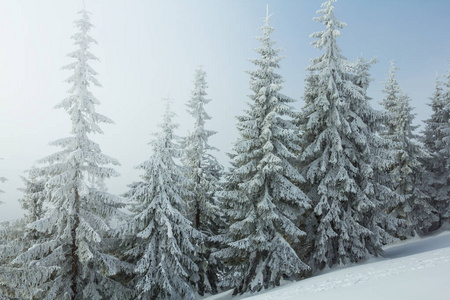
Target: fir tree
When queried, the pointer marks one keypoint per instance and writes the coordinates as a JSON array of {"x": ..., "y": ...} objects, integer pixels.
[
  {"x": 339, "y": 150},
  {"x": 69, "y": 263},
  {"x": 437, "y": 142},
  {"x": 408, "y": 171},
  {"x": 18, "y": 238},
  {"x": 12, "y": 243},
  {"x": 262, "y": 197},
  {"x": 383, "y": 158},
  {"x": 161, "y": 236},
  {"x": 204, "y": 171},
  {"x": 33, "y": 195}
]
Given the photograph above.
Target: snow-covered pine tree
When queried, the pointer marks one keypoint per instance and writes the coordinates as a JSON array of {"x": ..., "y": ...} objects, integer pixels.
[
  {"x": 408, "y": 172},
  {"x": 263, "y": 200},
  {"x": 383, "y": 158},
  {"x": 18, "y": 238},
  {"x": 161, "y": 235},
  {"x": 338, "y": 154},
  {"x": 70, "y": 263},
  {"x": 11, "y": 244},
  {"x": 437, "y": 141},
  {"x": 33, "y": 195},
  {"x": 204, "y": 171}
]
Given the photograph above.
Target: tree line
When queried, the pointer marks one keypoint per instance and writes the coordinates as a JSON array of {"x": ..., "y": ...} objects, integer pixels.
[{"x": 328, "y": 185}]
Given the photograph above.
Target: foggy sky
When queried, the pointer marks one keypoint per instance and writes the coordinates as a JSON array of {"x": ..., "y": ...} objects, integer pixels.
[{"x": 149, "y": 50}]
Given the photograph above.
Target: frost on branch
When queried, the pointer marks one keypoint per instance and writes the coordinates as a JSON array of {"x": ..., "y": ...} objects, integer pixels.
[
  {"x": 204, "y": 172},
  {"x": 408, "y": 173},
  {"x": 262, "y": 198},
  {"x": 70, "y": 256},
  {"x": 340, "y": 155},
  {"x": 159, "y": 235},
  {"x": 437, "y": 142}
]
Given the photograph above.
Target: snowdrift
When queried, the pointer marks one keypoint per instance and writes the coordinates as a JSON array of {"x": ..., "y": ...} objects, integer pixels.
[{"x": 417, "y": 269}]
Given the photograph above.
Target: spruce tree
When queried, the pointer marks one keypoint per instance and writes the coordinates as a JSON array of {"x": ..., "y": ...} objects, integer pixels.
[
  {"x": 263, "y": 200},
  {"x": 437, "y": 142},
  {"x": 11, "y": 244},
  {"x": 69, "y": 263},
  {"x": 408, "y": 172},
  {"x": 18, "y": 238},
  {"x": 383, "y": 153},
  {"x": 339, "y": 150},
  {"x": 204, "y": 171},
  {"x": 160, "y": 235},
  {"x": 33, "y": 198}
]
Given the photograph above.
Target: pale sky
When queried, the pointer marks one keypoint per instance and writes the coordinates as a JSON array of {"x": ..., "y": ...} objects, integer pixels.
[{"x": 150, "y": 49}]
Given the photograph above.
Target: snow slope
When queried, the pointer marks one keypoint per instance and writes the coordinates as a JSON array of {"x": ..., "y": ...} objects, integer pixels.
[{"x": 418, "y": 269}]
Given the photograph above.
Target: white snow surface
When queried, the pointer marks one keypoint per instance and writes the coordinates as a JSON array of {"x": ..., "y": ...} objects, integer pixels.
[{"x": 416, "y": 269}]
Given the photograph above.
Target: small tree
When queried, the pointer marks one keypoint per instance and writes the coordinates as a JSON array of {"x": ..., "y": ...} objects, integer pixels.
[
  {"x": 33, "y": 195},
  {"x": 437, "y": 142},
  {"x": 408, "y": 172},
  {"x": 70, "y": 262},
  {"x": 263, "y": 199},
  {"x": 204, "y": 171},
  {"x": 161, "y": 236},
  {"x": 17, "y": 238}
]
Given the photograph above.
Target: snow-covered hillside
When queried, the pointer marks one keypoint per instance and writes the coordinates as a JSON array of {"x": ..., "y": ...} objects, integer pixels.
[{"x": 417, "y": 269}]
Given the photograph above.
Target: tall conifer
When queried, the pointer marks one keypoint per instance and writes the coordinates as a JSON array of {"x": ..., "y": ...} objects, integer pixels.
[
  {"x": 437, "y": 142},
  {"x": 264, "y": 201},
  {"x": 204, "y": 171},
  {"x": 337, "y": 160},
  {"x": 70, "y": 262},
  {"x": 407, "y": 171}
]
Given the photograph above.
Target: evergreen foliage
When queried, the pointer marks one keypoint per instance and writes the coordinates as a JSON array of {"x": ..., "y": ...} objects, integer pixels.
[
  {"x": 340, "y": 150},
  {"x": 69, "y": 262},
  {"x": 161, "y": 244},
  {"x": 17, "y": 238},
  {"x": 408, "y": 172},
  {"x": 204, "y": 172},
  {"x": 329, "y": 185},
  {"x": 437, "y": 142},
  {"x": 263, "y": 200},
  {"x": 383, "y": 157}
]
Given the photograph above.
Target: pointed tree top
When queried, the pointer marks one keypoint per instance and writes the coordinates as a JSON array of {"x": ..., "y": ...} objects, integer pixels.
[
  {"x": 199, "y": 67},
  {"x": 267, "y": 13},
  {"x": 393, "y": 68},
  {"x": 168, "y": 114},
  {"x": 167, "y": 99}
]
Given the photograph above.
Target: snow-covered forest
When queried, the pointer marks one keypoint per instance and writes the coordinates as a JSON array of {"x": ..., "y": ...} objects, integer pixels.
[{"x": 309, "y": 184}]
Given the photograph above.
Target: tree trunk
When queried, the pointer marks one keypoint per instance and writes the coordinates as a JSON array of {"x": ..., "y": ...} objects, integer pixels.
[{"x": 74, "y": 254}]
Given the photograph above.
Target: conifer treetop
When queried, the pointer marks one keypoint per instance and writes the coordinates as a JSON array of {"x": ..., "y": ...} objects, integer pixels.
[
  {"x": 72, "y": 259},
  {"x": 161, "y": 250},
  {"x": 262, "y": 197}
]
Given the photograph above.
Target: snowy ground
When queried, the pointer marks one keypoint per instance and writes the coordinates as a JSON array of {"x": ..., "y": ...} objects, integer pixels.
[{"x": 417, "y": 269}]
